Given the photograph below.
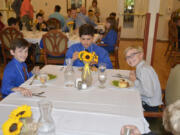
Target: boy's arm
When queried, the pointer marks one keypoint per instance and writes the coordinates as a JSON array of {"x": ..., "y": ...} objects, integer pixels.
[{"x": 144, "y": 83}]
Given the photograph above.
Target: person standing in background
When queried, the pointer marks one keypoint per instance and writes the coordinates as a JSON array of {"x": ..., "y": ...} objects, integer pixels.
[
  {"x": 95, "y": 10},
  {"x": 57, "y": 15},
  {"x": 16, "y": 6},
  {"x": 26, "y": 13}
]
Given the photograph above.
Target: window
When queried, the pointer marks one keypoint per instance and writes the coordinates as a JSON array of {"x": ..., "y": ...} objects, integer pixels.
[{"x": 128, "y": 14}]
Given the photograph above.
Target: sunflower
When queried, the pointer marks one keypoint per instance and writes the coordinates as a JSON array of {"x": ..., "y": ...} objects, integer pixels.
[
  {"x": 12, "y": 127},
  {"x": 70, "y": 23},
  {"x": 23, "y": 111},
  {"x": 87, "y": 57},
  {"x": 81, "y": 55}
]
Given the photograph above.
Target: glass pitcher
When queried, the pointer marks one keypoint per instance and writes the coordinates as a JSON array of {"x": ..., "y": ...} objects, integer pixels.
[
  {"x": 46, "y": 123},
  {"x": 69, "y": 74}
]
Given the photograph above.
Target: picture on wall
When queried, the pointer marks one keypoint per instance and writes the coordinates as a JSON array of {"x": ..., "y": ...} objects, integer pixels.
[{"x": 76, "y": 3}]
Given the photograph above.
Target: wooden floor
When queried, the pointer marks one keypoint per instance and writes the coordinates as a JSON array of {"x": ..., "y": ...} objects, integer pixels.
[{"x": 160, "y": 65}]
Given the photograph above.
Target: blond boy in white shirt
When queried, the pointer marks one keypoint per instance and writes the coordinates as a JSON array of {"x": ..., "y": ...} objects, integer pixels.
[{"x": 144, "y": 78}]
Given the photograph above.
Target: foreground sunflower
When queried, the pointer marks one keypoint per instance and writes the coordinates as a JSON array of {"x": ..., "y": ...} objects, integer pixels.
[
  {"x": 87, "y": 57},
  {"x": 23, "y": 111},
  {"x": 12, "y": 127}
]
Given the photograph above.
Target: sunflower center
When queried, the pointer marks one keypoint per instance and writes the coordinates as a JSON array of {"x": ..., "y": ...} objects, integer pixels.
[
  {"x": 21, "y": 113},
  {"x": 87, "y": 57},
  {"x": 13, "y": 127}
]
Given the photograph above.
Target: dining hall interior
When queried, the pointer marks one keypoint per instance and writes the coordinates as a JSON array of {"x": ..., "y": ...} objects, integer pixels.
[{"x": 147, "y": 30}]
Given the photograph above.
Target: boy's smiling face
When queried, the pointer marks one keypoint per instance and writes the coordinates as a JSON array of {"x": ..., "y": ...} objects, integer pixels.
[
  {"x": 134, "y": 57},
  {"x": 20, "y": 54}
]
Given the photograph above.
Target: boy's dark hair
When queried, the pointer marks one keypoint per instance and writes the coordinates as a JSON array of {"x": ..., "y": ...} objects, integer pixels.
[
  {"x": 90, "y": 10},
  {"x": 57, "y": 8},
  {"x": 68, "y": 10},
  {"x": 39, "y": 14},
  {"x": 0, "y": 14},
  {"x": 86, "y": 29},
  {"x": 113, "y": 14},
  {"x": 12, "y": 21},
  {"x": 73, "y": 8},
  {"x": 18, "y": 43}
]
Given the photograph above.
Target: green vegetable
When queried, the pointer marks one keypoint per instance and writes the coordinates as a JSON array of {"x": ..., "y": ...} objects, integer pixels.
[
  {"x": 115, "y": 83},
  {"x": 51, "y": 76}
]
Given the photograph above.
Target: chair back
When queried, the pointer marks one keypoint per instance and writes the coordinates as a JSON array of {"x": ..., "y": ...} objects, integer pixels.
[
  {"x": 172, "y": 92},
  {"x": 53, "y": 23},
  {"x": 116, "y": 48},
  {"x": 55, "y": 44},
  {"x": 6, "y": 36}
]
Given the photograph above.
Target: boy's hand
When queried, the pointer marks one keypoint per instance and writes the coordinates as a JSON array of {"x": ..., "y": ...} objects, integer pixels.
[
  {"x": 75, "y": 56},
  {"x": 36, "y": 70},
  {"x": 133, "y": 130},
  {"x": 23, "y": 91},
  {"x": 132, "y": 76}
]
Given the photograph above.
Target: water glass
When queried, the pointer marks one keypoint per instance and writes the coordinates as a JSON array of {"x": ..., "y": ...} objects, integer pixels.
[
  {"x": 102, "y": 79},
  {"x": 102, "y": 67}
]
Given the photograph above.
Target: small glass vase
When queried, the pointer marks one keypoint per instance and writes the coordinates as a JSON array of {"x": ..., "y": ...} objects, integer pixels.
[
  {"x": 46, "y": 122},
  {"x": 87, "y": 75}
]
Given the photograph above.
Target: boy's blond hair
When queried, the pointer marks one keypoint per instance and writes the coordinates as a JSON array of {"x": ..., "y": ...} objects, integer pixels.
[{"x": 138, "y": 48}]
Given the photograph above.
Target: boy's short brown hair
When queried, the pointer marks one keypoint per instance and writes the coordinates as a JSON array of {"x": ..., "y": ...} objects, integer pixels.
[
  {"x": 138, "y": 48},
  {"x": 18, "y": 43}
]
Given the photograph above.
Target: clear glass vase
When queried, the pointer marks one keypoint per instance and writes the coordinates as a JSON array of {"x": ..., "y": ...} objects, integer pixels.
[
  {"x": 87, "y": 75},
  {"x": 46, "y": 122},
  {"x": 69, "y": 78}
]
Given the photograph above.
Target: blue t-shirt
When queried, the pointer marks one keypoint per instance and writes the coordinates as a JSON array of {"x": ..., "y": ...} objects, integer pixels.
[
  {"x": 103, "y": 56},
  {"x": 13, "y": 76}
]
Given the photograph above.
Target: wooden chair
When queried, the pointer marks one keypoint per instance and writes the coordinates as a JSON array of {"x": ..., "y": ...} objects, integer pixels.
[
  {"x": 174, "y": 51},
  {"x": 55, "y": 45},
  {"x": 6, "y": 36},
  {"x": 53, "y": 23}
]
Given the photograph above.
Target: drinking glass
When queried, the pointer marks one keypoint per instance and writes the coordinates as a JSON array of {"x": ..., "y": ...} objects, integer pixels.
[
  {"x": 43, "y": 79},
  {"x": 102, "y": 67},
  {"x": 102, "y": 79}
]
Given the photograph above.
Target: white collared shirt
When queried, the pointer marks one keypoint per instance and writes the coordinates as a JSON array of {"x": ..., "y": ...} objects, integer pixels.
[{"x": 148, "y": 84}]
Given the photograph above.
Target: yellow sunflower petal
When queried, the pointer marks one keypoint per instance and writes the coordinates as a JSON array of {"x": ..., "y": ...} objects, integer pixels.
[
  {"x": 23, "y": 111},
  {"x": 81, "y": 54},
  {"x": 12, "y": 127}
]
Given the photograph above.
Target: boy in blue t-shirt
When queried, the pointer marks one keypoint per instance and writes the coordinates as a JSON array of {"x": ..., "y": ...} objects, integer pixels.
[{"x": 15, "y": 72}]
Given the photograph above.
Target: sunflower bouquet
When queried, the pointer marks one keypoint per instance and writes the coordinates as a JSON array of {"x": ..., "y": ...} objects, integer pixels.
[
  {"x": 18, "y": 122},
  {"x": 87, "y": 58}
]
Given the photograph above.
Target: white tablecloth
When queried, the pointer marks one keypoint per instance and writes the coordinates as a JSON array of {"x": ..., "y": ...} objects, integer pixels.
[{"x": 93, "y": 111}]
